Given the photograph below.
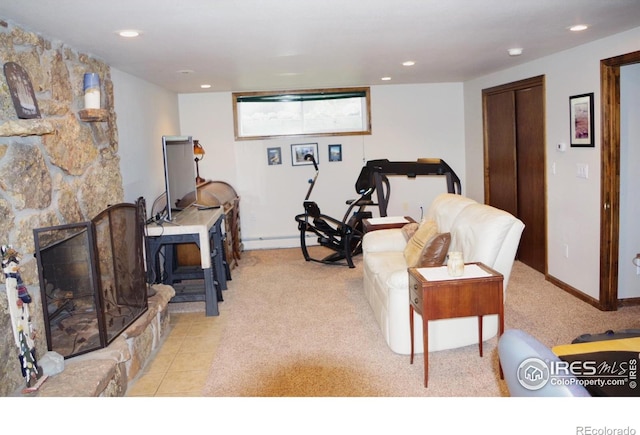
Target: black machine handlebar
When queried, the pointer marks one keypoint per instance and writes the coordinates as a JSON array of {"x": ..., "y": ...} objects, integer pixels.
[
  {"x": 312, "y": 182},
  {"x": 313, "y": 160}
]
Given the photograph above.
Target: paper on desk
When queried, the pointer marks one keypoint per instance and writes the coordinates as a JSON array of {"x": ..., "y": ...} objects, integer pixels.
[
  {"x": 441, "y": 274},
  {"x": 388, "y": 220}
]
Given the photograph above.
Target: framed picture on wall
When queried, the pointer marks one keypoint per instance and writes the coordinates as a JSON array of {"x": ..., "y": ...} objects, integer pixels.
[
  {"x": 335, "y": 153},
  {"x": 298, "y": 151},
  {"x": 274, "y": 156},
  {"x": 581, "y": 118}
]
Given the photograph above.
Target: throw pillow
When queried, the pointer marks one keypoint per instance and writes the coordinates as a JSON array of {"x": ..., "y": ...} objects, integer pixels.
[
  {"x": 435, "y": 251},
  {"x": 409, "y": 230},
  {"x": 426, "y": 230}
]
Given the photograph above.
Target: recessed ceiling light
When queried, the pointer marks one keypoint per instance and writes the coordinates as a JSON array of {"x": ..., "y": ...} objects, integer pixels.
[
  {"x": 386, "y": 79},
  {"x": 578, "y": 27},
  {"x": 408, "y": 63},
  {"x": 514, "y": 51},
  {"x": 129, "y": 33},
  {"x": 205, "y": 86}
]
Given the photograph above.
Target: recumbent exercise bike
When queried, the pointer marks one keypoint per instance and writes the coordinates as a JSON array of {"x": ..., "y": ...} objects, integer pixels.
[{"x": 344, "y": 237}]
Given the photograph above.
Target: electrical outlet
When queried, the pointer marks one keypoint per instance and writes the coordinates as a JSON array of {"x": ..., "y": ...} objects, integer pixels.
[{"x": 566, "y": 251}]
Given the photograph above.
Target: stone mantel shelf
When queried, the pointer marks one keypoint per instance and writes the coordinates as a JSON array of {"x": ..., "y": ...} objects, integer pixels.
[
  {"x": 26, "y": 127},
  {"x": 93, "y": 115}
]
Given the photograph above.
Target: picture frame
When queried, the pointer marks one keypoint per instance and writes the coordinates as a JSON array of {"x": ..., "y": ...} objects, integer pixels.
[
  {"x": 21, "y": 89},
  {"x": 274, "y": 156},
  {"x": 298, "y": 151},
  {"x": 335, "y": 153},
  {"x": 581, "y": 120}
]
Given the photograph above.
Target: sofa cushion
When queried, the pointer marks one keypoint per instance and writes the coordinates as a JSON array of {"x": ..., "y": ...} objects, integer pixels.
[
  {"x": 479, "y": 232},
  {"x": 435, "y": 251},
  {"x": 409, "y": 230},
  {"x": 388, "y": 269},
  {"x": 383, "y": 240},
  {"x": 418, "y": 241},
  {"x": 445, "y": 208}
]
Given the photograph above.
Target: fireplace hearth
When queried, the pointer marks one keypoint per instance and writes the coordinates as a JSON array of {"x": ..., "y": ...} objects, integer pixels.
[{"x": 92, "y": 278}]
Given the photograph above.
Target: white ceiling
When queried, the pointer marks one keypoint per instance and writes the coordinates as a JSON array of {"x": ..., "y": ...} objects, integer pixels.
[{"x": 293, "y": 44}]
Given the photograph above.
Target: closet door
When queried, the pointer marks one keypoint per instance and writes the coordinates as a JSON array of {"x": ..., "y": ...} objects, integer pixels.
[
  {"x": 530, "y": 180},
  {"x": 501, "y": 189},
  {"x": 514, "y": 161}
]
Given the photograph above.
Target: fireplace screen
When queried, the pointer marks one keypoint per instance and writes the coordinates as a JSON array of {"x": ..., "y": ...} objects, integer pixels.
[{"x": 92, "y": 278}]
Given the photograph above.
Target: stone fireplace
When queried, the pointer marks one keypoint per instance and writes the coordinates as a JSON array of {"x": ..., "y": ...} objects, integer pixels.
[{"x": 62, "y": 168}]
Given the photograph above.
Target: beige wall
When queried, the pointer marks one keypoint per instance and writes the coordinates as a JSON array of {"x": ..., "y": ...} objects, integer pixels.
[
  {"x": 573, "y": 204},
  {"x": 408, "y": 122}
]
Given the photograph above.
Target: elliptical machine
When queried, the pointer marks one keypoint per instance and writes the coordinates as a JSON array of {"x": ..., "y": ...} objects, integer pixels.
[{"x": 344, "y": 237}]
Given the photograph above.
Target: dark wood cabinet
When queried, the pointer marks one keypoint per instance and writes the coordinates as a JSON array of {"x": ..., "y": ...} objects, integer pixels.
[{"x": 216, "y": 193}]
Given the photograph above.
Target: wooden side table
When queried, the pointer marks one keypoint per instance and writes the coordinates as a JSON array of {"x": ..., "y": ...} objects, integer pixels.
[
  {"x": 435, "y": 295},
  {"x": 384, "y": 223}
]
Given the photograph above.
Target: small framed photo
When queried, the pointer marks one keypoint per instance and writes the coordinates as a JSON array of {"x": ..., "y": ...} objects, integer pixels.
[
  {"x": 274, "y": 156},
  {"x": 335, "y": 153},
  {"x": 581, "y": 118},
  {"x": 299, "y": 151}
]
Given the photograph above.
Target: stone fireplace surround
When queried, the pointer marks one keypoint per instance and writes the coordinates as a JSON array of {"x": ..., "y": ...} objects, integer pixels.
[
  {"x": 59, "y": 169},
  {"x": 107, "y": 372}
]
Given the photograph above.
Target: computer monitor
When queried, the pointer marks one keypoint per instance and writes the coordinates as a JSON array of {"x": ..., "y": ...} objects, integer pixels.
[{"x": 179, "y": 172}]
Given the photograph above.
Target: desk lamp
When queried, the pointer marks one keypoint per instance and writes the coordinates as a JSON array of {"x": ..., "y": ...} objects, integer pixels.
[{"x": 198, "y": 151}]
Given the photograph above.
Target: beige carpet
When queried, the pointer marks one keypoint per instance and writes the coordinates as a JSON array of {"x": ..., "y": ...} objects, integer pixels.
[{"x": 294, "y": 328}]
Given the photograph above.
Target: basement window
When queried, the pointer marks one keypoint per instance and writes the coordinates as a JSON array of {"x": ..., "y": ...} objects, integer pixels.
[{"x": 316, "y": 112}]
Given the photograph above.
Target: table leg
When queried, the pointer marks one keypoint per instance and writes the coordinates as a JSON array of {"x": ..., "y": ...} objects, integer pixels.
[
  {"x": 425, "y": 346},
  {"x": 411, "y": 326},
  {"x": 217, "y": 249},
  {"x": 500, "y": 332},
  {"x": 210, "y": 295},
  {"x": 480, "y": 334}
]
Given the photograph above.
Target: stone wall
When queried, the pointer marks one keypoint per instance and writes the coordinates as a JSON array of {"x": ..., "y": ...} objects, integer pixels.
[{"x": 54, "y": 170}]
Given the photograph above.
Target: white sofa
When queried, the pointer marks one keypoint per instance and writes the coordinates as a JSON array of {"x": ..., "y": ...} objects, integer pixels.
[{"x": 483, "y": 233}]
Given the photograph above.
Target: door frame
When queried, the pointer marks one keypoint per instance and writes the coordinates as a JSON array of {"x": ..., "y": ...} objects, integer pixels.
[{"x": 610, "y": 180}]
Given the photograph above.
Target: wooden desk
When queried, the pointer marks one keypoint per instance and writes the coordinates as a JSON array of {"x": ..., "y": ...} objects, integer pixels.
[
  {"x": 435, "y": 295},
  {"x": 383, "y": 223},
  {"x": 204, "y": 228}
]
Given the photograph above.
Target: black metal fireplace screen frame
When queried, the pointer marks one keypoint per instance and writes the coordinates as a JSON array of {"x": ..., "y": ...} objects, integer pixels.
[{"x": 92, "y": 278}]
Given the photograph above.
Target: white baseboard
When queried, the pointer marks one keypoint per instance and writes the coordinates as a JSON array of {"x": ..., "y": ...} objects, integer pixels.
[{"x": 276, "y": 243}]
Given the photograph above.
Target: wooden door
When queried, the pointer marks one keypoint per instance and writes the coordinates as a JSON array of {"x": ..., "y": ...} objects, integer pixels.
[
  {"x": 515, "y": 161},
  {"x": 500, "y": 116},
  {"x": 530, "y": 181}
]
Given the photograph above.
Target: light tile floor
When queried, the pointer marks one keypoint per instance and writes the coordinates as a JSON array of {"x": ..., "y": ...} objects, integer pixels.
[{"x": 181, "y": 364}]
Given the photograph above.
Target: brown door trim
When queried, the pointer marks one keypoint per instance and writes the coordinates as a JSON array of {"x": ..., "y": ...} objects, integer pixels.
[{"x": 610, "y": 182}]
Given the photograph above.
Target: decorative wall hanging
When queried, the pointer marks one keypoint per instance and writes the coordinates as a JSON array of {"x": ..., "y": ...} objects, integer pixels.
[
  {"x": 24, "y": 99},
  {"x": 335, "y": 153},
  {"x": 274, "y": 156},
  {"x": 298, "y": 152},
  {"x": 19, "y": 300},
  {"x": 581, "y": 117}
]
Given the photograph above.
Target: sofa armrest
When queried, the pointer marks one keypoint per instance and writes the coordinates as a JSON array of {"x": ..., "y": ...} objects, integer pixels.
[{"x": 383, "y": 240}]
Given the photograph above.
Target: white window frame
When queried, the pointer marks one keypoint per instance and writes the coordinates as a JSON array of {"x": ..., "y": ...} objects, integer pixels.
[{"x": 313, "y": 112}]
